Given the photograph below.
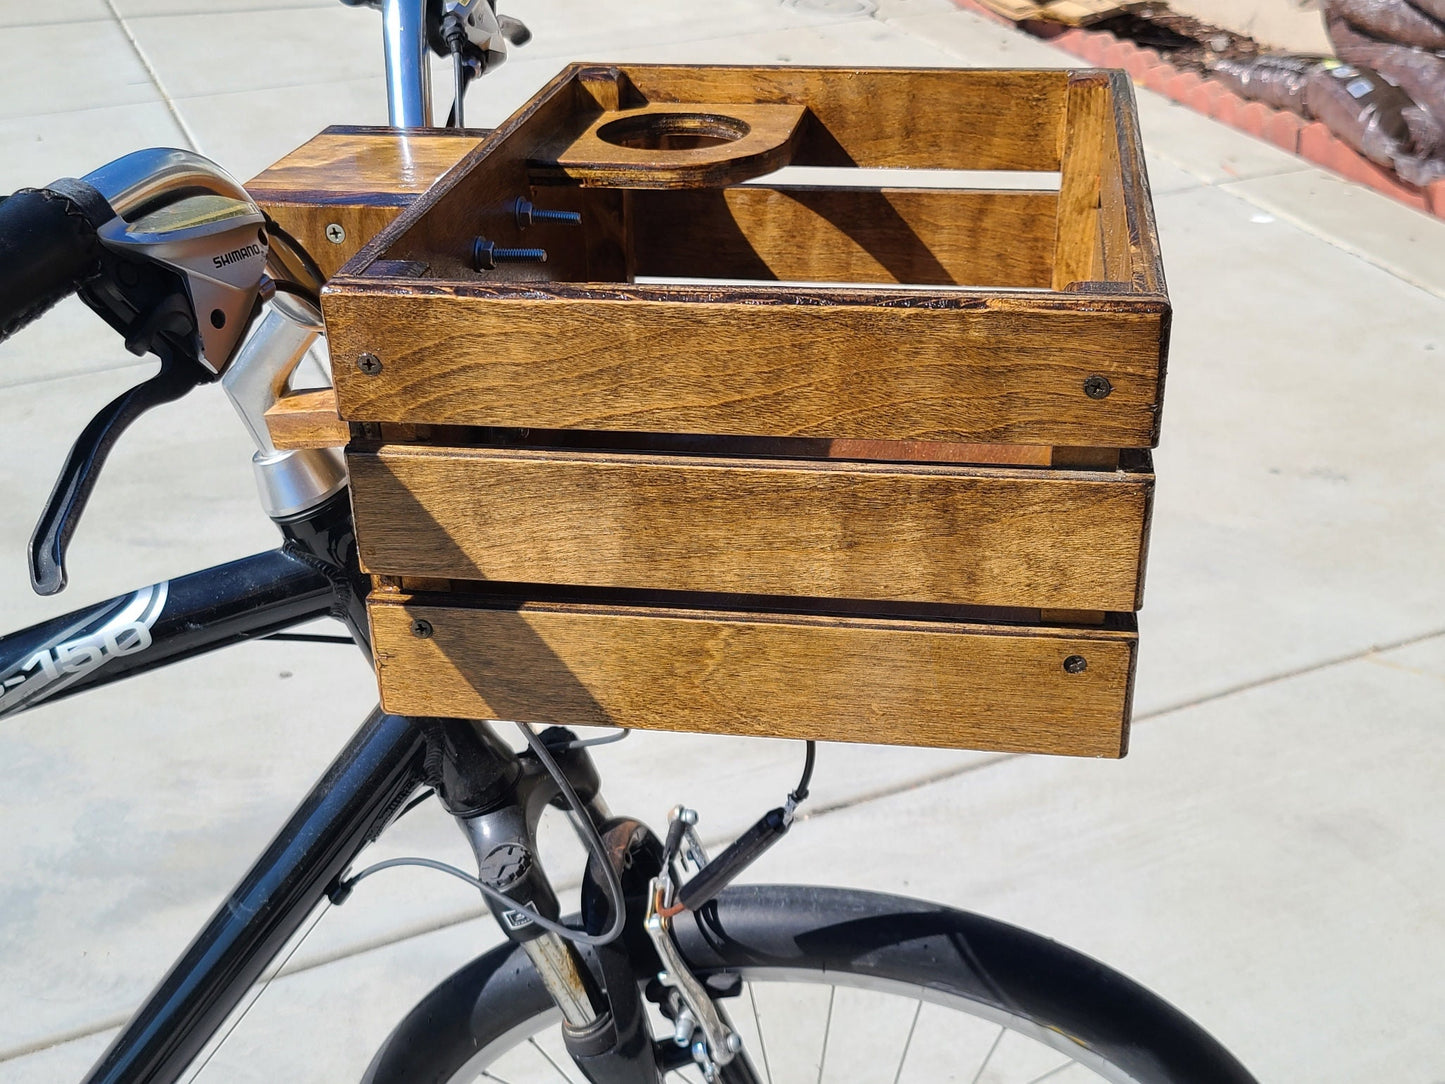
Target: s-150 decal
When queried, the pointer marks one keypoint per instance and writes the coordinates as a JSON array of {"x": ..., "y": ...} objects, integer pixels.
[{"x": 82, "y": 648}]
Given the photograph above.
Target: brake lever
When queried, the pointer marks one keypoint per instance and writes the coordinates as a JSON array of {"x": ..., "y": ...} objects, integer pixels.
[{"x": 77, "y": 479}]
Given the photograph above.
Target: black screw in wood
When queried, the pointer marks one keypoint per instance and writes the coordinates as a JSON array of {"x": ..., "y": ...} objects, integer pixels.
[
  {"x": 1075, "y": 664},
  {"x": 369, "y": 364},
  {"x": 486, "y": 255},
  {"x": 1097, "y": 387},
  {"x": 421, "y": 629},
  {"x": 527, "y": 215}
]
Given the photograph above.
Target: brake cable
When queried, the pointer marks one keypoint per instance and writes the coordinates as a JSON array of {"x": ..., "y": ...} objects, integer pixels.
[{"x": 343, "y": 888}]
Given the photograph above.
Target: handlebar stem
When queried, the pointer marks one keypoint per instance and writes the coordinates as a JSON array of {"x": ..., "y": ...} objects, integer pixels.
[
  {"x": 293, "y": 481},
  {"x": 408, "y": 71}
]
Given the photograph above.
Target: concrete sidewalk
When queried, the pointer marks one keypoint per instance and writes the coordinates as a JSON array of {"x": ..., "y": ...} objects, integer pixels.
[{"x": 1270, "y": 855}]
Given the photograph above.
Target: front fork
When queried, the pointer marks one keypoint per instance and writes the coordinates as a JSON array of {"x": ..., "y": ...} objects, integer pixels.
[{"x": 497, "y": 797}]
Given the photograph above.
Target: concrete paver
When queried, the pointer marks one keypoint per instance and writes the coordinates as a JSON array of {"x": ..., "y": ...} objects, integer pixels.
[{"x": 1279, "y": 835}]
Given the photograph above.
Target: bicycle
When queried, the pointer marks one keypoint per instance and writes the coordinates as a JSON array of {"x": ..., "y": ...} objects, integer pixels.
[{"x": 651, "y": 953}]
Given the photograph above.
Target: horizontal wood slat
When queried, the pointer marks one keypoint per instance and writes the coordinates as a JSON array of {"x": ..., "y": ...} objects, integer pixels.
[
  {"x": 847, "y": 234},
  {"x": 934, "y": 118},
  {"x": 840, "y": 679},
  {"x": 937, "y": 534},
  {"x": 994, "y": 368}
]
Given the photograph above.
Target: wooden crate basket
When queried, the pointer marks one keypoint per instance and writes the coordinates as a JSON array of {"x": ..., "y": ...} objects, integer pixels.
[{"x": 792, "y": 453}]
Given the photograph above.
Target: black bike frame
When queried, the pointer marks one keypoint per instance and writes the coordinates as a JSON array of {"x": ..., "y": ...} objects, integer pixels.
[{"x": 313, "y": 574}]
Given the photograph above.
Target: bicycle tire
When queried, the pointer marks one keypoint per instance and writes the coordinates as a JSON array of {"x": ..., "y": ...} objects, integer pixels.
[{"x": 991, "y": 970}]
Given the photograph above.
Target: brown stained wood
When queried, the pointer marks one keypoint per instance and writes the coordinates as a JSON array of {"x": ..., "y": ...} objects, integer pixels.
[
  {"x": 652, "y": 146},
  {"x": 357, "y": 178},
  {"x": 1085, "y": 458},
  {"x": 1146, "y": 264},
  {"x": 309, "y": 223},
  {"x": 953, "y": 535},
  {"x": 374, "y": 163},
  {"x": 307, "y": 419},
  {"x": 848, "y": 234},
  {"x": 480, "y": 198},
  {"x": 1087, "y": 123},
  {"x": 937, "y": 118},
  {"x": 938, "y": 683},
  {"x": 984, "y": 368},
  {"x": 923, "y": 451}
]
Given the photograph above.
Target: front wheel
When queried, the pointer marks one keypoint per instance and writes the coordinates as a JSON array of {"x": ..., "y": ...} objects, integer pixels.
[{"x": 843, "y": 986}]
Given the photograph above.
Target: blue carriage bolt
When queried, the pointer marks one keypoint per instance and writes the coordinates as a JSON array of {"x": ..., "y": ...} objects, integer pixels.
[
  {"x": 486, "y": 255},
  {"x": 527, "y": 215}
]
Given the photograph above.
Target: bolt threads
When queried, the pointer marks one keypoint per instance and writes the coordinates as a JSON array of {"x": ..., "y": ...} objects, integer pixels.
[
  {"x": 528, "y": 215},
  {"x": 486, "y": 255}
]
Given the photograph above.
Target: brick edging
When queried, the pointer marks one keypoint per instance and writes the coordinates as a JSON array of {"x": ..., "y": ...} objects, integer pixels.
[{"x": 1310, "y": 140}]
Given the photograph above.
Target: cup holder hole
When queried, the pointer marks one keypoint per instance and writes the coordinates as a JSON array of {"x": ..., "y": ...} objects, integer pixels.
[{"x": 673, "y": 131}]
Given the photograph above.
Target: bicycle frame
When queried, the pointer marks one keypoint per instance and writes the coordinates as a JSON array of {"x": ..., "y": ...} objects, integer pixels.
[{"x": 311, "y": 575}]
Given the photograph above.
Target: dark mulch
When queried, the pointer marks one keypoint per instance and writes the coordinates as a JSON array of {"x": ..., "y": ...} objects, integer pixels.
[{"x": 1184, "y": 41}]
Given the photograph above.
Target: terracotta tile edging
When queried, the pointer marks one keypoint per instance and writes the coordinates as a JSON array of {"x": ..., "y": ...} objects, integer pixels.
[{"x": 1311, "y": 141}]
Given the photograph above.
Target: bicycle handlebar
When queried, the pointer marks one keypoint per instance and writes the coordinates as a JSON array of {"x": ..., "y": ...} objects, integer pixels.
[{"x": 48, "y": 250}]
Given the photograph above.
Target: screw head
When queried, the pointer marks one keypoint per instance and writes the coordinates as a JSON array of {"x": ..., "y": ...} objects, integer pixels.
[
  {"x": 1097, "y": 387},
  {"x": 334, "y": 233},
  {"x": 421, "y": 629},
  {"x": 1075, "y": 664},
  {"x": 369, "y": 364}
]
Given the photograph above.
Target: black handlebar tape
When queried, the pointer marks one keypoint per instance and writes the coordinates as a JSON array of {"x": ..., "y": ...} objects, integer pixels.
[
  {"x": 48, "y": 249},
  {"x": 740, "y": 854}
]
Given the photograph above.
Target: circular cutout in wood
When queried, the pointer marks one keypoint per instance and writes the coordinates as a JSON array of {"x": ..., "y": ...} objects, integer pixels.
[{"x": 673, "y": 131}]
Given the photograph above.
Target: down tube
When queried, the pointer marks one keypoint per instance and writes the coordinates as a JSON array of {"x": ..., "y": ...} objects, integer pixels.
[{"x": 346, "y": 809}]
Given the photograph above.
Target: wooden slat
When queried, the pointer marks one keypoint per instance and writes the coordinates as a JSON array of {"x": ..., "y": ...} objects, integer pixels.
[
  {"x": 963, "y": 535},
  {"x": 991, "y": 367},
  {"x": 932, "y": 118},
  {"x": 1146, "y": 264},
  {"x": 1088, "y": 117},
  {"x": 838, "y": 679},
  {"x": 847, "y": 234},
  {"x": 307, "y": 419}
]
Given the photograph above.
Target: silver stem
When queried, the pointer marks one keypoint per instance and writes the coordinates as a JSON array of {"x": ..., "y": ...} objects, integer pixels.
[
  {"x": 289, "y": 482},
  {"x": 408, "y": 73}
]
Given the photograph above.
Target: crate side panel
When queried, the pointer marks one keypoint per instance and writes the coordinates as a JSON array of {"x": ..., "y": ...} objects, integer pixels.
[
  {"x": 940, "y": 237},
  {"x": 957, "y": 535},
  {"x": 939, "y": 684},
  {"x": 985, "y": 368}
]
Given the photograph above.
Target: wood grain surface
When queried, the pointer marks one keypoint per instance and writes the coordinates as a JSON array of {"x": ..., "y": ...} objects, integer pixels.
[
  {"x": 359, "y": 178},
  {"x": 770, "y": 361},
  {"x": 1089, "y": 119},
  {"x": 933, "y": 683},
  {"x": 928, "y": 118},
  {"x": 766, "y": 137},
  {"x": 307, "y": 419},
  {"x": 969, "y": 535},
  {"x": 941, "y": 237}
]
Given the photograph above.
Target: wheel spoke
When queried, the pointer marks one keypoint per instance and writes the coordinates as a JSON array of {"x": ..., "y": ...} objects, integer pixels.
[
  {"x": 758, "y": 1024},
  {"x": 827, "y": 1031},
  {"x": 989, "y": 1056},
  {"x": 912, "y": 1026},
  {"x": 551, "y": 1061},
  {"x": 1055, "y": 1071}
]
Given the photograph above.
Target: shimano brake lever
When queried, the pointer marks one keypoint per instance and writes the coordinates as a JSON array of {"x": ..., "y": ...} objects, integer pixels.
[
  {"x": 182, "y": 254},
  {"x": 72, "y": 489}
]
